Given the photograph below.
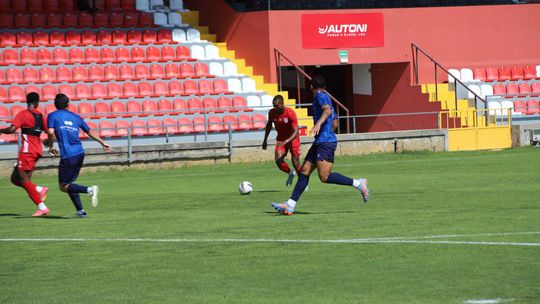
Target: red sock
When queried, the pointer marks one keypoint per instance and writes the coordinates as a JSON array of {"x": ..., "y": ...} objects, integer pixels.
[
  {"x": 32, "y": 192},
  {"x": 284, "y": 167}
]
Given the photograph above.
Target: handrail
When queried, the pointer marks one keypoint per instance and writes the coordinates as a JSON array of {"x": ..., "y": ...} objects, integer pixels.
[
  {"x": 278, "y": 56},
  {"x": 415, "y": 49}
]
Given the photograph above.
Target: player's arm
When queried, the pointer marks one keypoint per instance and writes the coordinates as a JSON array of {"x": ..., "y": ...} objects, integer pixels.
[
  {"x": 9, "y": 130},
  {"x": 96, "y": 137},
  {"x": 50, "y": 142},
  {"x": 267, "y": 130},
  {"x": 327, "y": 112},
  {"x": 294, "y": 125}
]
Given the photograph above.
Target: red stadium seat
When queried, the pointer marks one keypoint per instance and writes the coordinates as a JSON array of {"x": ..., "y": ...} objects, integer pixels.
[
  {"x": 128, "y": 5},
  {"x": 535, "y": 87},
  {"x": 38, "y": 20},
  {"x": 8, "y": 38},
  {"x": 24, "y": 38},
  {"x": 172, "y": 70},
  {"x": 116, "y": 19},
  {"x": 6, "y": 20},
  {"x": 79, "y": 73},
  {"x": 19, "y": 5},
  {"x": 122, "y": 55},
  {"x": 492, "y": 74},
  {"x": 104, "y": 37},
  {"x": 205, "y": 87},
  {"x": 210, "y": 105},
  {"x": 198, "y": 124},
  {"x": 142, "y": 71},
  {"x": 149, "y": 107},
  {"x": 112, "y": 5},
  {"x": 13, "y": 75},
  {"x": 2, "y": 76},
  {"x": 73, "y": 38},
  {"x": 35, "y": 5},
  {"x": 82, "y": 91},
  {"x": 46, "y": 74},
  {"x": 106, "y": 129},
  {"x": 146, "y": 89},
  {"x": 499, "y": 89},
  {"x": 28, "y": 56},
  {"x": 11, "y": 56},
  {"x": 201, "y": 70},
  {"x": 225, "y": 104},
  {"x": 57, "y": 38},
  {"x": 259, "y": 121},
  {"x": 40, "y": 38},
  {"x": 520, "y": 106},
  {"x": 146, "y": 20},
  {"x": 131, "y": 20},
  {"x": 170, "y": 126},
  {"x": 49, "y": 108},
  {"x": 95, "y": 73},
  {"x": 66, "y": 5},
  {"x": 102, "y": 109},
  {"x": 91, "y": 125},
  {"x": 533, "y": 107},
  {"x": 479, "y": 74},
  {"x": 88, "y": 37},
  {"x": 164, "y": 36},
  {"x": 215, "y": 124},
  {"x": 186, "y": 70},
  {"x": 92, "y": 55},
  {"x": 176, "y": 88},
  {"x": 107, "y": 55},
  {"x": 4, "y": 113},
  {"x": 86, "y": 110},
  {"x": 16, "y": 93},
  {"x": 161, "y": 88},
  {"x": 31, "y": 88},
  {"x": 60, "y": 56},
  {"x": 50, "y": 5},
  {"x": 154, "y": 127},
  {"x": 99, "y": 91},
  {"x": 16, "y": 109},
  {"x": 134, "y": 108},
  {"x": 63, "y": 74},
  {"x": 76, "y": 56},
  {"x": 126, "y": 72},
  {"x": 101, "y": 20},
  {"x": 122, "y": 128},
  {"x": 157, "y": 71},
  {"x": 70, "y": 20},
  {"x": 504, "y": 73},
  {"x": 138, "y": 54},
  {"x": 114, "y": 90},
  {"x": 195, "y": 105},
  {"x": 49, "y": 92},
  {"x": 134, "y": 37},
  {"x": 167, "y": 53},
  {"x": 110, "y": 72},
  {"x": 529, "y": 72},
  {"x": 185, "y": 125},
  {"x": 517, "y": 73},
  {"x": 30, "y": 75},
  {"x": 524, "y": 89},
  {"x": 180, "y": 106},
  {"x": 165, "y": 106},
  {"x": 118, "y": 109},
  {"x": 44, "y": 56},
  {"x": 3, "y": 94},
  {"x": 139, "y": 127},
  {"x": 153, "y": 54},
  {"x": 190, "y": 87},
  {"x": 149, "y": 36},
  {"x": 130, "y": 90},
  {"x": 220, "y": 87},
  {"x": 232, "y": 120},
  {"x": 119, "y": 37},
  {"x": 183, "y": 53},
  {"x": 512, "y": 89},
  {"x": 21, "y": 20}
]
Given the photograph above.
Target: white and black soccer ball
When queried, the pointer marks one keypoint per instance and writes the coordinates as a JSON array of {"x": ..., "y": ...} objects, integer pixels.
[{"x": 245, "y": 187}]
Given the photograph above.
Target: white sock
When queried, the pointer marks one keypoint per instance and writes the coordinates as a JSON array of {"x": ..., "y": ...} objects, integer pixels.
[
  {"x": 291, "y": 203},
  {"x": 39, "y": 188},
  {"x": 79, "y": 212},
  {"x": 356, "y": 183},
  {"x": 90, "y": 190},
  {"x": 41, "y": 206}
]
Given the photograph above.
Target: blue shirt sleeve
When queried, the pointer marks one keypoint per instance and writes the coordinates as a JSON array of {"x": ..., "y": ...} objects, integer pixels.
[
  {"x": 84, "y": 126},
  {"x": 51, "y": 121}
]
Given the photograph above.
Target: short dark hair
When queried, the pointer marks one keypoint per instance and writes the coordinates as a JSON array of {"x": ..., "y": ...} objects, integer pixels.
[
  {"x": 317, "y": 82},
  {"x": 278, "y": 98},
  {"x": 32, "y": 97},
  {"x": 61, "y": 101}
]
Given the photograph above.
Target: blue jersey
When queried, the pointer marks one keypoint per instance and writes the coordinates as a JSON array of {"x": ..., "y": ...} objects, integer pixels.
[
  {"x": 66, "y": 126},
  {"x": 326, "y": 133}
]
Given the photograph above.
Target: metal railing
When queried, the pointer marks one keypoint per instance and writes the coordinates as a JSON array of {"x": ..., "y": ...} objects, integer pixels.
[{"x": 299, "y": 72}]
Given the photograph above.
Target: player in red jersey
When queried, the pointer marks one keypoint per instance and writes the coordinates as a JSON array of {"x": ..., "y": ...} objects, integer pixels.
[
  {"x": 286, "y": 124},
  {"x": 32, "y": 123}
]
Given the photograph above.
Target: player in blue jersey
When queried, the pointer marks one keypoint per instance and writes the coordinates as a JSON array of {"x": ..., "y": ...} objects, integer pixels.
[
  {"x": 65, "y": 125},
  {"x": 321, "y": 154}
]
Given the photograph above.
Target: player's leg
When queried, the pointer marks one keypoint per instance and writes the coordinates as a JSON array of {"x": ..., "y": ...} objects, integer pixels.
[
  {"x": 279, "y": 157},
  {"x": 68, "y": 171},
  {"x": 325, "y": 161},
  {"x": 42, "y": 190},
  {"x": 294, "y": 148}
]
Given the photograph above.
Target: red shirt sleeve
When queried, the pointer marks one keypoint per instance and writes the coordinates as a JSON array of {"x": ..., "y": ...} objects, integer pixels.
[
  {"x": 293, "y": 118},
  {"x": 20, "y": 119}
]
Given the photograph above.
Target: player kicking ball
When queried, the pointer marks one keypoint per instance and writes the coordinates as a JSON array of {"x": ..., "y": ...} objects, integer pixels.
[
  {"x": 321, "y": 154},
  {"x": 286, "y": 124}
]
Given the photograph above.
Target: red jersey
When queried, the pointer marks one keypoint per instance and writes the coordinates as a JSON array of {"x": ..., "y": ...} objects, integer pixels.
[
  {"x": 284, "y": 122},
  {"x": 25, "y": 119}
]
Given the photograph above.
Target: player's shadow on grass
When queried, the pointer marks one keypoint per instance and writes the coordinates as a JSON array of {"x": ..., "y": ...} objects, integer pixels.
[
  {"x": 9, "y": 214},
  {"x": 48, "y": 217},
  {"x": 295, "y": 213},
  {"x": 269, "y": 191}
]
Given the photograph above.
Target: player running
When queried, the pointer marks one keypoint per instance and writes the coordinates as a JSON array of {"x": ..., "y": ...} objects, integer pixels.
[
  {"x": 286, "y": 124},
  {"x": 31, "y": 123},
  {"x": 321, "y": 153},
  {"x": 65, "y": 126}
]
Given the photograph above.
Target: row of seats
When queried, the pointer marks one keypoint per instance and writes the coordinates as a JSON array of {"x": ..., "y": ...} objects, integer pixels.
[
  {"x": 118, "y": 90},
  {"x": 517, "y": 107},
  {"x": 495, "y": 74},
  {"x": 80, "y": 73},
  {"x": 511, "y": 89},
  {"x": 75, "y": 19},
  {"x": 22, "y": 56},
  {"x": 182, "y": 125},
  {"x": 64, "y": 5},
  {"x": 86, "y": 37},
  {"x": 151, "y": 5}
]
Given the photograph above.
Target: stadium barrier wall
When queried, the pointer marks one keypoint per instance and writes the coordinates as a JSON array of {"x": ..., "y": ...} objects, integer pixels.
[
  {"x": 521, "y": 134},
  {"x": 247, "y": 151}
]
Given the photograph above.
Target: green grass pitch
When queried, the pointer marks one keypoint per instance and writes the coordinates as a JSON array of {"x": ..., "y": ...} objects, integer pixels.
[{"x": 439, "y": 228}]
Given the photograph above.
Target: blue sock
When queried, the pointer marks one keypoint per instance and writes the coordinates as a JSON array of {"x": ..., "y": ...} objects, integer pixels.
[
  {"x": 74, "y": 188},
  {"x": 300, "y": 186},
  {"x": 336, "y": 178},
  {"x": 76, "y": 199}
]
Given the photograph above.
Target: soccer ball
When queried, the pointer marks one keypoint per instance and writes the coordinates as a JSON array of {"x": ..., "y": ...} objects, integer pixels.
[{"x": 245, "y": 187}]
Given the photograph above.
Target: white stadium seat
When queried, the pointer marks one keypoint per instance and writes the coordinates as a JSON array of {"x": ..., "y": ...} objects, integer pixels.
[
  {"x": 486, "y": 89},
  {"x": 216, "y": 68},
  {"x": 212, "y": 52},
  {"x": 197, "y": 52},
  {"x": 507, "y": 104},
  {"x": 193, "y": 35},
  {"x": 248, "y": 85},
  {"x": 466, "y": 75},
  {"x": 230, "y": 68},
  {"x": 161, "y": 19},
  {"x": 494, "y": 108},
  {"x": 253, "y": 101},
  {"x": 234, "y": 85},
  {"x": 455, "y": 73},
  {"x": 179, "y": 35},
  {"x": 175, "y": 19},
  {"x": 156, "y": 4},
  {"x": 266, "y": 101},
  {"x": 176, "y": 5},
  {"x": 538, "y": 71},
  {"x": 143, "y": 5},
  {"x": 476, "y": 89}
]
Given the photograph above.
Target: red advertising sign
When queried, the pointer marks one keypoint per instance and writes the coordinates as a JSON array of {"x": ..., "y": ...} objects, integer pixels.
[{"x": 332, "y": 31}]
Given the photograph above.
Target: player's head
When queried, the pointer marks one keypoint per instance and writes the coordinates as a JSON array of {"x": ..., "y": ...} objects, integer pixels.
[
  {"x": 277, "y": 102},
  {"x": 318, "y": 82},
  {"x": 32, "y": 99},
  {"x": 61, "y": 102}
]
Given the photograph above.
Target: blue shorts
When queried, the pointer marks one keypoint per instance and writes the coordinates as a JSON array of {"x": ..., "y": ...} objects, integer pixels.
[
  {"x": 321, "y": 151},
  {"x": 69, "y": 169}
]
